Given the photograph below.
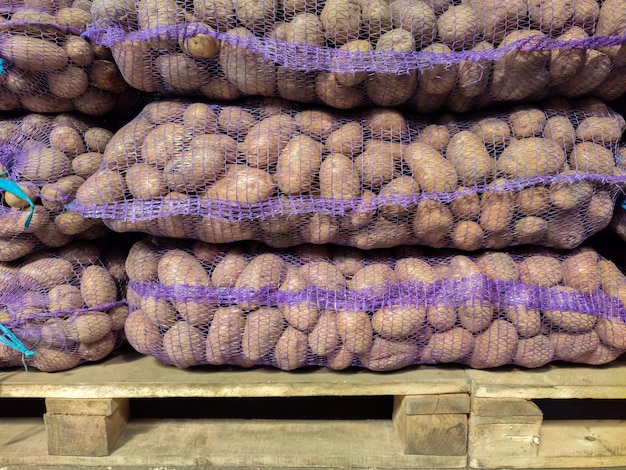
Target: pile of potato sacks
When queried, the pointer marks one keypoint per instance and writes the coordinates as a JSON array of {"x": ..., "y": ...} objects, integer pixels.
[{"x": 328, "y": 201}]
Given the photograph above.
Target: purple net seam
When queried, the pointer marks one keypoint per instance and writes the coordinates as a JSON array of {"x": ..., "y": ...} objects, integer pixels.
[
  {"x": 456, "y": 292},
  {"x": 162, "y": 207},
  {"x": 310, "y": 58},
  {"x": 17, "y": 323}
]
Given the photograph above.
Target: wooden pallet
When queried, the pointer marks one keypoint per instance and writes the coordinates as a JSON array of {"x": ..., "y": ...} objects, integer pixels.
[
  {"x": 443, "y": 417},
  {"x": 86, "y": 420},
  {"x": 507, "y": 430}
]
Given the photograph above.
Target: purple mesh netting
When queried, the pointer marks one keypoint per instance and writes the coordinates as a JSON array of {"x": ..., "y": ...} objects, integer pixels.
[
  {"x": 194, "y": 304},
  {"x": 422, "y": 55},
  {"x": 546, "y": 174}
]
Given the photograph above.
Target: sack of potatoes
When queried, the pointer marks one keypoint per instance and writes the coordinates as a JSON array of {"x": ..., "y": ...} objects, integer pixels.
[
  {"x": 62, "y": 307},
  {"x": 47, "y": 67},
  {"x": 269, "y": 171},
  {"x": 618, "y": 224},
  {"x": 347, "y": 53},
  {"x": 43, "y": 162},
  {"x": 194, "y": 303}
]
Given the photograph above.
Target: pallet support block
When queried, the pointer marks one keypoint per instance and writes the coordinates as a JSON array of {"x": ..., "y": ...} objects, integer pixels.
[
  {"x": 84, "y": 427},
  {"x": 504, "y": 429},
  {"x": 432, "y": 424}
]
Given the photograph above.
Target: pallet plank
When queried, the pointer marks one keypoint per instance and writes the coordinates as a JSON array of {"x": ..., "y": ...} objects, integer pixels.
[{"x": 129, "y": 375}]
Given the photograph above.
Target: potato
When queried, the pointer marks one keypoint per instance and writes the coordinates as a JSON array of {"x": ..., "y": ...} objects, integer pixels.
[
  {"x": 466, "y": 205},
  {"x": 498, "y": 266},
  {"x": 601, "y": 355},
  {"x": 43, "y": 164},
  {"x": 441, "y": 78},
  {"x": 570, "y": 346},
  {"x": 53, "y": 333},
  {"x": 362, "y": 46},
  {"x": 550, "y": 16},
  {"x": 87, "y": 327},
  {"x": 291, "y": 349},
  {"x": 242, "y": 184},
  {"x": 436, "y": 136},
  {"x": 495, "y": 346},
  {"x": 414, "y": 270},
  {"x": 612, "y": 332},
  {"x": 389, "y": 355},
  {"x": 79, "y": 51},
  {"x": 200, "y": 46},
  {"x": 183, "y": 345},
  {"x": 526, "y": 319},
  {"x": 519, "y": 74},
  {"x": 467, "y": 235},
  {"x": 475, "y": 314},
  {"x": 181, "y": 73},
  {"x": 457, "y": 27},
  {"x": 433, "y": 172},
  {"x": 471, "y": 171},
  {"x": 266, "y": 271},
  {"x": 159, "y": 311},
  {"x": 98, "y": 349},
  {"x": 236, "y": 121},
  {"x": 53, "y": 360},
  {"x": 341, "y": 21},
  {"x": 377, "y": 163},
  {"x": 143, "y": 335},
  {"x": 417, "y": 17},
  {"x": 346, "y": 140},
  {"x": 45, "y": 273},
  {"x": 376, "y": 235},
  {"x": 540, "y": 270},
  {"x": 497, "y": 19},
  {"x": 245, "y": 69},
  {"x": 373, "y": 279},
  {"x": 473, "y": 75},
  {"x": 224, "y": 336},
  {"x": 297, "y": 165},
  {"x": 33, "y": 54},
  {"x": 97, "y": 286},
  {"x": 16, "y": 247},
  {"x": 564, "y": 319},
  {"x": 142, "y": 262},
  {"x": 68, "y": 83},
  {"x": 496, "y": 208},
  {"x": 600, "y": 129},
  {"x": 404, "y": 187},
  {"x": 580, "y": 271},
  {"x": 449, "y": 346},
  {"x": 533, "y": 352},
  {"x": 323, "y": 339},
  {"x": 261, "y": 332},
  {"x": 432, "y": 222},
  {"x": 304, "y": 314},
  {"x": 338, "y": 178},
  {"x": 355, "y": 330},
  {"x": 561, "y": 130},
  {"x": 333, "y": 93},
  {"x": 530, "y": 157},
  {"x": 266, "y": 140},
  {"x": 596, "y": 69},
  {"x": 566, "y": 63},
  {"x": 398, "y": 321}
]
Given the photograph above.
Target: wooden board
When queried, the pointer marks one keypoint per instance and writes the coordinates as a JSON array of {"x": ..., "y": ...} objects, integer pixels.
[
  {"x": 129, "y": 375},
  {"x": 230, "y": 443}
]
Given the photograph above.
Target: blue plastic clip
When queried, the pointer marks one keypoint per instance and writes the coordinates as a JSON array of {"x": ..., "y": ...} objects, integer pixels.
[
  {"x": 12, "y": 341},
  {"x": 13, "y": 188}
]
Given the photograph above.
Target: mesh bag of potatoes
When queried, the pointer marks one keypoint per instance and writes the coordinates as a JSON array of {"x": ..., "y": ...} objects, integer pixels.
[
  {"x": 43, "y": 162},
  {"x": 45, "y": 65},
  {"x": 194, "y": 303},
  {"x": 369, "y": 179},
  {"x": 60, "y": 308},
  {"x": 347, "y": 53}
]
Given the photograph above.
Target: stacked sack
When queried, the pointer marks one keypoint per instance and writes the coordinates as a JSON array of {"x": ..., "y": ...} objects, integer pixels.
[
  {"x": 44, "y": 160},
  {"x": 63, "y": 307},
  {"x": 222, "y": 174},
  {"x": 350, "y": 53},
  {"x": 47, "y": 67}
]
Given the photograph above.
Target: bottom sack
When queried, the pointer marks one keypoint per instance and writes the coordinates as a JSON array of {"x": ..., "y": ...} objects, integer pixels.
[
  {"x": 193, "y": 303},
  {"x": 62, "y": 307}
]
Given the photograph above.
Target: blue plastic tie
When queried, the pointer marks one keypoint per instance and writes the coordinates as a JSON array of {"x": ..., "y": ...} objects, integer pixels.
[
  {"x": 12, "y": 341},
  {"x": 13, "y": 188},
  {"x": 624, "y": 204},
  {"x": 1, "y": 66}
]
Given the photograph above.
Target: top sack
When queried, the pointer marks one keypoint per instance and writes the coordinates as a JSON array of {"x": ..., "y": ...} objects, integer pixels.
[{"x": 423, "y": 55}]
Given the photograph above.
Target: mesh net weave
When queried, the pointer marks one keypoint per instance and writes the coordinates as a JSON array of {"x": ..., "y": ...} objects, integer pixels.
[
  {"x": 46, "y": 67},
  {"x": 197, "y": 303},
  {"x": 348, "y": 53},
  {"x": 48, "y": 158},
  {"x": 546, "y": 175},
  {"x": 65, "y": 304}
]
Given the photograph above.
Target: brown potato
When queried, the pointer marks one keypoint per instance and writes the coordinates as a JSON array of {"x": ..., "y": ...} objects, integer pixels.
[
  {"x": 389, "y": 355},
  {"x": 298, "y": 163},
  {"x": 432, "y": 222},
  {"x": 265, "y": 271},
  {"x": 183, "y": 345},
  {"x": 224, "y": 337},
  {"x": 530, "y": 157},
  {"x": 324, "y": 337},
  {"x": 571, "y": 346},
  {"x": 87, "y": 327},
  {"x": 477, "y": 170},
  {"x": 534, "y": 352},
  {"x": 449, "y": 346},
  {"x": 398, "y": 321},
  {"x": 355, "y": 330},
  {"x": 302, "y": 315},
  {"x": 580, "y": 271},
  {"x": 97, "y": 286},
  {"x": 261, "y": 332},
  {"x": 433, "y": 172},
  {"x": 45, "y": 273},
  {"x": 266, "y": 140},
  {"x": 373, "y": 279},
  {"x": 495, "y": 346},
  {"x": 291, "y": 349}
]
